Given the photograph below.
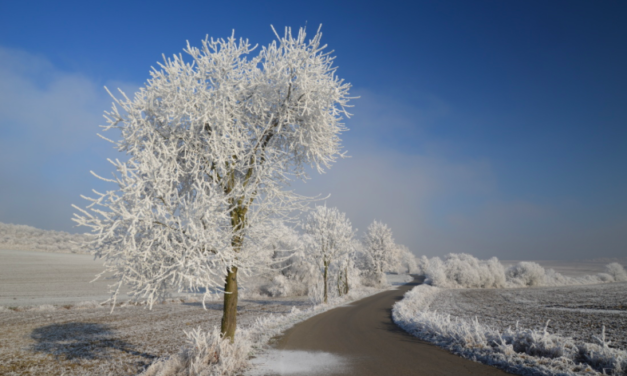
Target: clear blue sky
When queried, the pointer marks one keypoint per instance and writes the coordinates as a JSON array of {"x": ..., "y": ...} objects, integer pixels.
[{"x": 496, "y": 128}]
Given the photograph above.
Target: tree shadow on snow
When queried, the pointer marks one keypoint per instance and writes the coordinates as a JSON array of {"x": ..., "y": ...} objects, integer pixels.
[{"x": 77, "y": 340}]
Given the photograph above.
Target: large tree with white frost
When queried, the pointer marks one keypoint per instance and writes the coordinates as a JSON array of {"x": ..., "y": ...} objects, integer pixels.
[
  {"x": 330, "y": 236},
  {"x": 212, "y": 139}
]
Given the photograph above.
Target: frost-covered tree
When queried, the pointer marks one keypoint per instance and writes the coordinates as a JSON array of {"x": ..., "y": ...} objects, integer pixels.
[
  {"x": 405, "y": 261},
  {"x": 330, "y": 239},
  {"x": 379, "y": 244},
  {"x": 212, "y": 139},
  {"x": 287, "y": 271}
]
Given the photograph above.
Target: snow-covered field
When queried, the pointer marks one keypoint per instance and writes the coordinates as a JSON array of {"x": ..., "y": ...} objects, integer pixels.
[
  {"x": 33, "y": 278},
  {"x": 579, "y": 312},
  {"x": 51, "y": 322},
  {"x": 576, "y": 329},
  {"x": 88, "y": 339}
]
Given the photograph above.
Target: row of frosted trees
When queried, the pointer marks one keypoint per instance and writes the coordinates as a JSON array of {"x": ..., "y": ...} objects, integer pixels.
[{"x": 327, "y": 259}]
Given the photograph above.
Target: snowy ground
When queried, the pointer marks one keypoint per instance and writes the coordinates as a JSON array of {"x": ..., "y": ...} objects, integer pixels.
[
  {"x": 34, "y": 278},
  {"x": 51, "y": 323},
  {"x": 579, "y": 312},
  {"x": 78, "y": 341}
]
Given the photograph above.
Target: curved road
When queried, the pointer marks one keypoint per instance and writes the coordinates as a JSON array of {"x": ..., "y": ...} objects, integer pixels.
[{"x": 363, "y": 333}]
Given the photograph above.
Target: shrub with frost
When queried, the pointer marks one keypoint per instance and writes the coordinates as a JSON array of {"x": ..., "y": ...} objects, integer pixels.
[
  {"x": 206, "y": 354},
  {"x": 279, "y": 286},
  {"x": 403, "y": 261},
  {"x": 526, "y": 274},
  {"x": 283, "y": 270},
  {"x": 464, "y": 271},
  {"x": 435, "y": 273},
  {"x": 617, "y": 272},
  {"x": 422, "y": 264}
]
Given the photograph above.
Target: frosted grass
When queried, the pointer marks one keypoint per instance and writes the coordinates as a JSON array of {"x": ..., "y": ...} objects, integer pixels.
[
  {"x": 579, "y": 312},
  {"x": 518, "y": 350}
]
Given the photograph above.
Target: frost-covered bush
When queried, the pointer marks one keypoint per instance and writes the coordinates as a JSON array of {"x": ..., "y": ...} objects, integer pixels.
[
  {"x": 526, "y": 274},
  {"x": 465, "y": 271},
  {"x": 517, "y": 350},
  {"x": 207, "y": 354},
  {"x": 22, "y": 237},
  {"x": 422, "y": 264},
  {"x": 279, "y": 286},
  {"x": 617, "y": 272},
  {"x": 402, "y": 261},
  {"x": 283, "y": 270}
]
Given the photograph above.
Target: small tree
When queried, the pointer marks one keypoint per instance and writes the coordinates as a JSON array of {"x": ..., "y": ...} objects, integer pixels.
[
  {"x": 211, "y": 142},
  {"x": 330, "y": 239},
  {"x": 407, "y": 262},
  {"x": 379, "y": 244}
]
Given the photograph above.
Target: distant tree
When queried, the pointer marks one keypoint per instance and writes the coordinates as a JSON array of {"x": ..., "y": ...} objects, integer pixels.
[
  {"x": 211, "y": 143},
  {"x": 330, "y": 240},
  {"x": 406, "y": 262},
  {"x": 379, "y": 244}
]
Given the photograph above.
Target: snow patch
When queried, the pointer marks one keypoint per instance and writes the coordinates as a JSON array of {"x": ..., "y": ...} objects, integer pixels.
[{"x": 284, "y": 362}]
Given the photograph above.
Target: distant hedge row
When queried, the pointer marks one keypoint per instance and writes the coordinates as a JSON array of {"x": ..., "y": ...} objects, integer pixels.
[{"x": 23, "y": 237}]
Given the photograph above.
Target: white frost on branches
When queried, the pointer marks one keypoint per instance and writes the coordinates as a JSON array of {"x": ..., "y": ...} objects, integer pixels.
[
  {"x": 461, "y": 270},
  {"x": 211, "y": 141},
  {"x": 330, "y": 239},
  {"x": 379, "y": 244}
]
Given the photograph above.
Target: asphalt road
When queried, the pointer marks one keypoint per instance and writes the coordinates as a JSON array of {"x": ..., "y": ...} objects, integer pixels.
[{"x": 364, "y": 333}]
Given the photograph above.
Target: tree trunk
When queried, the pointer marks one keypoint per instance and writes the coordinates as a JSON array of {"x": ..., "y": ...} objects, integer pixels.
[
  {"x": 229, "y": 315},
  {"x": 326, "y": 268},
  {"x": 346, "y": 280}
]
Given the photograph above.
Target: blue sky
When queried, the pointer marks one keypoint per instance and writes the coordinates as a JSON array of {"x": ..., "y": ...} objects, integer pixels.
[{"x": 495, "y": 128}]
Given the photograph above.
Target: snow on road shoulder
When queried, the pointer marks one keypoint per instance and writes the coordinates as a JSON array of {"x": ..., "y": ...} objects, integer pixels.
[{"x": 517, "y": 350}]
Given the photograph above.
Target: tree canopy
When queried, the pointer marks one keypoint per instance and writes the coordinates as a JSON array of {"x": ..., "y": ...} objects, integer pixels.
[{"x": 212, "y": 139}]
